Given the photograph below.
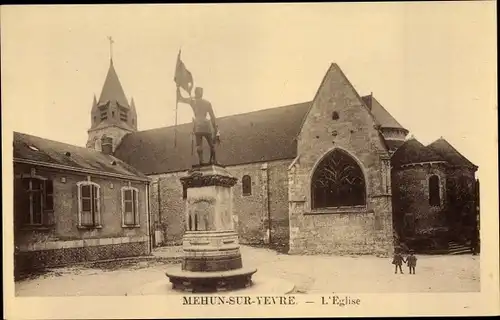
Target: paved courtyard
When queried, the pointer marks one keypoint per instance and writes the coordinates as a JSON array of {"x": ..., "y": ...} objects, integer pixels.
[{"x": 310, "y": 274}]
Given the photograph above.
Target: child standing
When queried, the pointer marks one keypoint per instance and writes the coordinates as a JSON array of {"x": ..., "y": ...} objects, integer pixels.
[
  {"x": 398, "y": 261},
  {"x": 412, "y": 262}
]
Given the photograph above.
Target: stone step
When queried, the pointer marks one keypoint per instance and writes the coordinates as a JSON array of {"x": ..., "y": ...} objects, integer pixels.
[
  {"x": 462, "y": 251},
  {"x": 455, "y": 248}
]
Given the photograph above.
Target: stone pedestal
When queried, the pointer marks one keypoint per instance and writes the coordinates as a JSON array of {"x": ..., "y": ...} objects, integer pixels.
[{"x": 212, "y": 259}]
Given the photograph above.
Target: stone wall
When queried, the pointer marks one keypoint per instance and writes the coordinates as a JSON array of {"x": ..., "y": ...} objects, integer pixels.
[
  {"x": 258, "y": 217},
  {"x": 462, "y": 203},
  {"x": 355, "y": 230},
  {"x": 278, "y": 205},
  {"x": 168, "y": 208},
  {"x": 411, "y": 196}
]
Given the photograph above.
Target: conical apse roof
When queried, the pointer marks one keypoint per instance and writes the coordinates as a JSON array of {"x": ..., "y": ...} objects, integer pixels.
[
  {"x": 448, "y": 152},
  {"x": 412, "y": 151}
]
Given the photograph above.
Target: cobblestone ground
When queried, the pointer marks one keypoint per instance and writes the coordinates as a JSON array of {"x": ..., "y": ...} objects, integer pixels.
[{"x": 310, "y": 274}]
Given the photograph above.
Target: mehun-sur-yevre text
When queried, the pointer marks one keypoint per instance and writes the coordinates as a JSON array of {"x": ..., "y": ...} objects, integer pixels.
[{"x": 334, "y": 300}]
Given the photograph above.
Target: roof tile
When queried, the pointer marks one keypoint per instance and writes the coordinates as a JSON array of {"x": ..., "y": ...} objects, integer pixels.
[
  {"x": 448, "y": 152},
  {"x": 263, "y": 135},
  {"x": 112, "y": 89},
  {"x": 383, "y": 117},
  {"x": 38, "y": 149},
  {"x": 412, "y": 151}
]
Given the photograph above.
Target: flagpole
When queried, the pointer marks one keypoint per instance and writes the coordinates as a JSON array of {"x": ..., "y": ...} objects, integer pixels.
[
  {"x": 176, "y": 100},
  {"x": 175, "y": 128},
  {"x": 192, "y": 138}
]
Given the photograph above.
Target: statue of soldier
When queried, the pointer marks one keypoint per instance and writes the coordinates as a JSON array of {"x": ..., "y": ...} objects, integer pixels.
[{"x": 202, "y": 128}]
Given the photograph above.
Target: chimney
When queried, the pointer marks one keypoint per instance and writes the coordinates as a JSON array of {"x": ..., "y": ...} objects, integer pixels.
[
  {"x": 370, "y": 101},
  {"x": 107, "y": 145}
]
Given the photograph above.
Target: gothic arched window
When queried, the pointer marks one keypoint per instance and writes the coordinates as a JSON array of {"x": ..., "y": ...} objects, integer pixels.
[
  {"x": 337, "y": 182},
  {"x": 434, "y": 196},
  {"x": 246, "y": 182}
]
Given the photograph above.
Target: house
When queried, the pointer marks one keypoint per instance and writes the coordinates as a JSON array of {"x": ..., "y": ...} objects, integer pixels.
[{"x": 74, "y": 204}]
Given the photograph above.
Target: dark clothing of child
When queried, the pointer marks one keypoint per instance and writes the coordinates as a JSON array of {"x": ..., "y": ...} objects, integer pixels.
[
  {"x": 412, "y": 263},
  {"x": 398, "y": 261}
]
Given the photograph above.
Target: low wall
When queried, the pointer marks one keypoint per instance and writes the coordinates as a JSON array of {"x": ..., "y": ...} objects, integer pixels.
[{"x": 59, "y": 253}]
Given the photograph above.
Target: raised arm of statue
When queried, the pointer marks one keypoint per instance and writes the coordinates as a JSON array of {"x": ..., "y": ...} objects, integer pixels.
[{"x": 180, "y": 98}]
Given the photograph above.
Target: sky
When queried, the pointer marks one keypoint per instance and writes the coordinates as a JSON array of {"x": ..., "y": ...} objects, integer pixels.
[{"x": 432, "y": 65}]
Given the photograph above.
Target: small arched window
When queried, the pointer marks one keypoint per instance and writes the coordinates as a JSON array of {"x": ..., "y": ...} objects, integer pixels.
[
  {"x": 434, "y": 196},
  {"x": 246, "y": 185},
  {"x": 338, "y": 181}
]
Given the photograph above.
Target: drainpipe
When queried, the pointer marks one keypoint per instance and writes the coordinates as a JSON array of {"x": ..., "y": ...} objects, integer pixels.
[
  {"x": 148, "y": 208},
  {"x": 268, "y": 213},
  {"x": 159, "y": 203},
  {"x": 265, "y": 176}
]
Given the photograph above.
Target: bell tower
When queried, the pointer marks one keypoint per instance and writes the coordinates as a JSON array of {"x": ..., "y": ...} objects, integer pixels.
[{"x": 112, "y": 116}]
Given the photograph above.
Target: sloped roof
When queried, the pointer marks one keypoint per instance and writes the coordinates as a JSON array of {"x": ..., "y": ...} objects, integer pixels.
[
  {"x": 28, "y": 147},
  {"x": 393, "y": 145},
  {"x": 412, "y": 151},
  {"x": 257, "y": 136},
  {"x": 449, "y": 153},
  {"x": 112, "y": 89},
  {"x": 383, "y": 117}
]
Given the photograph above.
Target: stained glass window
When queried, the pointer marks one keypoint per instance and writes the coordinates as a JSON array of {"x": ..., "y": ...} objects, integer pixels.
[{"x": 337, "y": 182}]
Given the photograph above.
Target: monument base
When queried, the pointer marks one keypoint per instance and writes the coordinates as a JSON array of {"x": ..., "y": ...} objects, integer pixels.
[
  {"x": 201, "y": 282},
  {"x": 261, "y": 285},
  {"x": 212, "y": 259}
]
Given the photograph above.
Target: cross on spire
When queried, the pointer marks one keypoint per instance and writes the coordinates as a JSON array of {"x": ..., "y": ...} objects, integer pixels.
[{"x": 111, "y": 41}]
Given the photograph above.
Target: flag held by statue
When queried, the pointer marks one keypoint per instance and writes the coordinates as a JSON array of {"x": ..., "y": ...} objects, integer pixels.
[{"x": 183, "y": 77}]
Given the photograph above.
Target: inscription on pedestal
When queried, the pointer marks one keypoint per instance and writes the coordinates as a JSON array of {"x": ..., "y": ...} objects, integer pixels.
[{"x": 201, "y": 211}]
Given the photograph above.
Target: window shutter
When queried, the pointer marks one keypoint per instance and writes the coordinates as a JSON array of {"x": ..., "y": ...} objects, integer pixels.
[
  {"x": 79, "y": 197},
  {"x": 136, "y": 206},
  {"x": 97, "y": 200},
  {"x": 49, "y": 195},
  {"x": 123, "y": 207},
  {"x": 128, "y": 207}
]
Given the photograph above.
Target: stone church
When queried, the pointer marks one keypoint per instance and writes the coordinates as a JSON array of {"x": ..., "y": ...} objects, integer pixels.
[{"x": 335, "y": 175}]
